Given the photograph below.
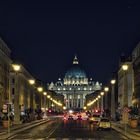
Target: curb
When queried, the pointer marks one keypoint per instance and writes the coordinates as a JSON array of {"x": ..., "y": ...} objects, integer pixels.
[
  {"x": 128, "y": 135},
  {"x": 23, "y": 128}
]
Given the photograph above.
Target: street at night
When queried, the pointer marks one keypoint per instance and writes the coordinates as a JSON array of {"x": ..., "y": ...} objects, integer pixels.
[
  {"x": 57, "y": 128},
  {"x": 70, "y": 70}
]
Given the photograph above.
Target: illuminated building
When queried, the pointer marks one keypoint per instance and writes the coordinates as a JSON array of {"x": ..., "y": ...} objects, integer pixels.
[{"x": 75, "y": 86}]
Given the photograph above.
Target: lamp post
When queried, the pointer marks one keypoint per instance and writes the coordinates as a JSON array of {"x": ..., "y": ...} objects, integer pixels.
[
  {"x": 113, "y": 99},
  {"x": 45, "y": 94},
  {"x": 102, "y": 102},
  {"x": 98, "y": 104},
  {"x": 16, "y": 68},
  {"x": 40, "y": 89},
  {"x": 48, "y": 96},
  {"x": 32, "y": 96},
  {"x": 106, "y": 89},
  {"x": 125, "y": 97}
]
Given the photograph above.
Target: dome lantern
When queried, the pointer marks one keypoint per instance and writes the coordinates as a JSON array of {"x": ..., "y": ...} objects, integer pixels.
[{"x": 75, "y": 60}]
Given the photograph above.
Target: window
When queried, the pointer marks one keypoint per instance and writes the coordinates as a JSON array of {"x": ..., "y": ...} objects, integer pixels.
[
  {"x": 13, "y": 91},
  {"x": 13, "y": 81}
]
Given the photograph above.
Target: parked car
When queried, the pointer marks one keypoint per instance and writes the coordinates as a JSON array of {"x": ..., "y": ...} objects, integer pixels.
[
  {"x": 104, "y": 124},
  {"x": 94, "y": 119}
]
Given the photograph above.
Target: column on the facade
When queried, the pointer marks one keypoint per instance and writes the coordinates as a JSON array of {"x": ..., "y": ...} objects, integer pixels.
[
  {"x": 25, "y": 94},
  {"x": 81, "y": 101},
  {"x": 77, "y": 100},
  {"x": 68, "y": 101},
  {"x": 31, "y": 98},
  {"x": 71, "y": 101}
]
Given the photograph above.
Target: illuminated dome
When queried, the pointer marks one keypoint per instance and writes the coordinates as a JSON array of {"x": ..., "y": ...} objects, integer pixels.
[
  {"x": 75, "y": 75},
  {"x": 75, "y": 72}
]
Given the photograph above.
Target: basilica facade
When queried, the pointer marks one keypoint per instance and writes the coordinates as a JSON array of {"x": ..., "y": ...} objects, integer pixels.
[{"x": 75, "y": 86}]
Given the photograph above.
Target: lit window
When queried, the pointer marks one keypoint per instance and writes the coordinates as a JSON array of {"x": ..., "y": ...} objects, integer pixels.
[
  {"x": 70, "y": 88},
  {"x": 58, "y": 88},
  {"x": 85, "y": 88},
  {"x": 78, "y": 88},
  {"x": 64, "y": 89}
]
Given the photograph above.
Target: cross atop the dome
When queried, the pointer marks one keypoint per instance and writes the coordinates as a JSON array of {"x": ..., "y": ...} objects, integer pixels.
[{"x": 75, "y": 60}]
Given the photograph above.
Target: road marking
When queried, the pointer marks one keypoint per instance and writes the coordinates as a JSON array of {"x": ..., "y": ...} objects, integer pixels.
[
  {"x": 11, "y": 137},
  {"x": 52, "y": 131}
]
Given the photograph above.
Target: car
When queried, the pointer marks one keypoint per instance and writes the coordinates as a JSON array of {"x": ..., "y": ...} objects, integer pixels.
[
  {"x": 70, "y": 117},
  {"x": 94, "y": 119},
  {"x": 104, "y": 124},
  {"x": 75, "y": 117}
]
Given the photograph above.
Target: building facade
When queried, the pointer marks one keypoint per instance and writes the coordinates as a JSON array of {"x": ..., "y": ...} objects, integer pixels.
[
  {"x": 19, "y": 82},
  {"x": 75, "y": 86},
  {"x": 125, "y": 85},
  {"x": 5, "y": 63},
  {"x": 136, "y": 66}
]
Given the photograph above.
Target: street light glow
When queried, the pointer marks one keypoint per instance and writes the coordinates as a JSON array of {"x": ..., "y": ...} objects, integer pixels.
[
  {"x": 85, "y": 108},
  {"x": 44, "y": 93},
  {"x": 125, "y": 67},
  {"x": 99, "y": 97},
  {"x": 102, "y": 93},
  {"x": 106, "y": 89},
  {"x": 48, "y": 96},
  {"x": 31, "y": 82},
  {"x": 40, "y": 89},
  {"x": 113, "y": 81},
  {"x": 64, "y": 107},
  {"x": 16, "y": 67}
]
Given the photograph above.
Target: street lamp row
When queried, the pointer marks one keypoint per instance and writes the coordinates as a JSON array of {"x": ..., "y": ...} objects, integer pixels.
[{"x": 17, "y": 68}]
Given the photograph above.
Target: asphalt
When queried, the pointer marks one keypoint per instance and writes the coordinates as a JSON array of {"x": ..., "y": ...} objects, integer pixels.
[{"x": 59, "y": 129}]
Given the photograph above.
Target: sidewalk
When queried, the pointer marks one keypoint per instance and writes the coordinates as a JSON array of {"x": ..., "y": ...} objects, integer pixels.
[
  {"x": 130, "y": 133},
  {"x": 19, "y": 128}
]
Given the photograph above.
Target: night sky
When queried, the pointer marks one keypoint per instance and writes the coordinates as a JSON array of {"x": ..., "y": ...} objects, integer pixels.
[{"x": 44, "y": 36}]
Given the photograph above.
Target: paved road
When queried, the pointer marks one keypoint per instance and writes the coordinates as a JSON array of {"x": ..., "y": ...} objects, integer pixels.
[{"x": 59, "y": 129}]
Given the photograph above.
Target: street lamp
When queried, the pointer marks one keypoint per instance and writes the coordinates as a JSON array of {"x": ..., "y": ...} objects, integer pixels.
[
  {"x": 64, "y": 108},
  {"x": 48, "y": 96},
  {"x": 40, "y": 89},
  {"x": 99, "y": 96},
  {"x": 32, "y": 95},
  {"x": 16, "y": 68},
  {"x": 125, "y": 67},
  {"x": 102, "y": 94},
  {"x": 113, "y": 81},
  {"x": 84, "y": 107},
  {"x": 106, "y": 90},
  {"x": 45, "y": 94},
  {"x": 31, "y": 81},
  {"x": 125, "y": 95}
]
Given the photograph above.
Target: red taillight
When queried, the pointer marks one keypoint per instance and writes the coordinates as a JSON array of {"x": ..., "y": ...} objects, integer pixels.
[{"x": 96, "y": 111}]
